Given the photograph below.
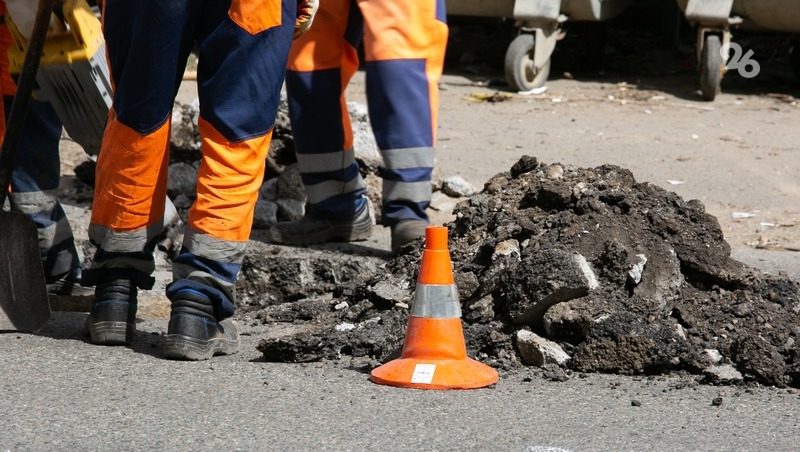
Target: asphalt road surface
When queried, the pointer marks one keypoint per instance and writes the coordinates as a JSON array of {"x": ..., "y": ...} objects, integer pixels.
[{"x": 58, "y": 392}]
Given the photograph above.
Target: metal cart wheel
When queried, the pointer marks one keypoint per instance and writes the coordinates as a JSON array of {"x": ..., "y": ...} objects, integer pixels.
[
  {"x": 711, "y": 67},
  {"x": 521, "y": 73}
]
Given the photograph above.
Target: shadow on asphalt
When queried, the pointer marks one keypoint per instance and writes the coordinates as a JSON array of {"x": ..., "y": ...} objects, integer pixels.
[
  {"x": 361, "y": 367},
  {"x": 71, "y": 326}
]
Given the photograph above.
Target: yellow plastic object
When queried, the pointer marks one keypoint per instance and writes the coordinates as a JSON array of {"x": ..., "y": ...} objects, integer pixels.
[
  {"x": 82, "y": 40},
  {"x": 73, "y": 74}
]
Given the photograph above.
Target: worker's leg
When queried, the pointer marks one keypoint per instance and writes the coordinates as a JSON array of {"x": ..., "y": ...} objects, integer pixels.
[
  {"x": 34, "y": 185},
  {"x": 35, "y": 179},
  {"x": 321, "y": 63},
  {"x": 148, "y": 42},
  {"x": 404, "y": 45},
  {"x": 241, "y": 70}
]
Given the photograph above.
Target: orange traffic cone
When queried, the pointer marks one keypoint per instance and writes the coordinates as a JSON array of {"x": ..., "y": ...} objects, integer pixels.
[{"x": 434, "y": 353}]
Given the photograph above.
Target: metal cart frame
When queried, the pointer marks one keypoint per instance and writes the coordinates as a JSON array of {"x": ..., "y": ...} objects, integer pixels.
[
  {"x": 527, "y": 60},
  {"x": 716, "y": 18}
]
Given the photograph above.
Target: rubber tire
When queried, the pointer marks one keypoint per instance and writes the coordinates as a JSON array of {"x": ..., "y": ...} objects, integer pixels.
[
  {"x": 711, "y": 67},
  {"x": 519, "y": 65}
]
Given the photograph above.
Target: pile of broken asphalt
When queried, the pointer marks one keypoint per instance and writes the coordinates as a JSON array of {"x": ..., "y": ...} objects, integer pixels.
[{"x": 585, "y": 269}]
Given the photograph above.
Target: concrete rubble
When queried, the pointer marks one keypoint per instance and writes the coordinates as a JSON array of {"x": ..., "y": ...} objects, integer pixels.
[
  {"x": 457, "y": 187},
  {"x": 535, "y": 350},
  {"x": 723, "y": 374},
  {"x": 620, "y": 276}
]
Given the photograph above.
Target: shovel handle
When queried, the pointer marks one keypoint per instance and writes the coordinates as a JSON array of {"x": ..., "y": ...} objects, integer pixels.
[{"x": 19, "y": 107}]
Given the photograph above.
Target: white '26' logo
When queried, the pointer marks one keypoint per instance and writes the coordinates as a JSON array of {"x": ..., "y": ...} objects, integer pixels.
[{"x": 747, "y": 66}]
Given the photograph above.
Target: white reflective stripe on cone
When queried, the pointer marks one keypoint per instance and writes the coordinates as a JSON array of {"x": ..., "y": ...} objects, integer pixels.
[{"x": 436, "y": 301}]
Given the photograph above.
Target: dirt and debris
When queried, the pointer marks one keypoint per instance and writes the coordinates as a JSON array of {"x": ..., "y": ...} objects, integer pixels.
[
  {"x": 493, "y": 98},
  {"x": 622, "y": 277}
]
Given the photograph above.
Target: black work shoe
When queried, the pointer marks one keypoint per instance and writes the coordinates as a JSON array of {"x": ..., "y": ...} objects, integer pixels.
[
  {"x": 406, "y": 232},
  {"x": 68, "y": 284},
  {"x": 112, "y": 320},
  {"x": 313, "y": 229},
  {"x": 194, "y": 333}
]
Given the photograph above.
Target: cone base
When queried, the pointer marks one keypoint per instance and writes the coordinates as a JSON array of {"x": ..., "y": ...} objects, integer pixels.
[{"x": 449, "y": 374}]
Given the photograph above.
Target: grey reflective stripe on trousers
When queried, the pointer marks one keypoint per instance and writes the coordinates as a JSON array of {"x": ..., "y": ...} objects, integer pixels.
[
  {"x": 395, "y": 159},
  {"x": 436, "y": 301},
  {"x": 209, "y": 247},
  {"x": 184, "y": 271},
  {"x": 402, "y": 159},
  {"x": 329, "y": 162},
  {"x": 407, "y": 191},
  {"x": 33, "y": 202},
  {"x": 330, "y": 188},
  {"x": 45, "y": 204},
  {"x": 124, "y": 241},
  {"x": 57, "y": 233},
  {"x": 325, "y": 162}
]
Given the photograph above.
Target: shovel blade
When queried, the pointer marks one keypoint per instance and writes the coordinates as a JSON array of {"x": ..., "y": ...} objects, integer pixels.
[{"x": 23, "y": 292}]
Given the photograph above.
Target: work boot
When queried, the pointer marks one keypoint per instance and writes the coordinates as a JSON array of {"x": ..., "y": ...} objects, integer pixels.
[
  {"x": 313, "y": 228},
  {"x": 112, "y": 320},
  {"x": 68, "y": 284},
  {"x": 406, "y": 232},
  {"x": 194, "y": 333}
]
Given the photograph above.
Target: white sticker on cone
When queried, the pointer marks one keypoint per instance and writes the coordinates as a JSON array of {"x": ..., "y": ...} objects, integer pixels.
[{"x": 423, "y": 373}]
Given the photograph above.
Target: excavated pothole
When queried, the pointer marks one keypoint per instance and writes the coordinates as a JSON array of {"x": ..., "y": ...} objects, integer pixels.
[{"x": 624, "y": 277}]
